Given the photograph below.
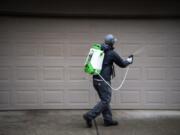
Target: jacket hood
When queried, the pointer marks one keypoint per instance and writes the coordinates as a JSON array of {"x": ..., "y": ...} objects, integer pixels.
[{"x": 106, "y": 47}]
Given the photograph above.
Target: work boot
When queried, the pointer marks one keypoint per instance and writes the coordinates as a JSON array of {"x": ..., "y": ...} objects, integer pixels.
[
  {"x": 110, "y": 123},
  {"x": 88, "y": 121}
]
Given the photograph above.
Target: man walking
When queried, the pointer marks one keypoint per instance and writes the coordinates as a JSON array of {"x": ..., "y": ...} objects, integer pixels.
[{"x": 103, "y": 90}]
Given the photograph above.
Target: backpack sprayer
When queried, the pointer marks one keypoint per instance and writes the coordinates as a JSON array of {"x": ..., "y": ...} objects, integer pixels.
[{"x": 94, "y": 61}]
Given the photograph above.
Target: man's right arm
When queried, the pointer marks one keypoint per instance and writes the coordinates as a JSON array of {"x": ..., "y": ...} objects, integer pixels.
[{"x": 119, "y": 61}]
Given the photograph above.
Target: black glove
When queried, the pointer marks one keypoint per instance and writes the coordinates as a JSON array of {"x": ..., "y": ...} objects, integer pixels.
[{"x": 130, "y": 59}]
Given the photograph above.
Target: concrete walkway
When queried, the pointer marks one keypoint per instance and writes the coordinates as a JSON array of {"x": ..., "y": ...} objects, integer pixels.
[{"x": 70, "y": 122}]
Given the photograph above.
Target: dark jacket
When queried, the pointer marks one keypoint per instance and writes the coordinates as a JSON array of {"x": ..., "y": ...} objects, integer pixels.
[{"x": 110, "y": 57}]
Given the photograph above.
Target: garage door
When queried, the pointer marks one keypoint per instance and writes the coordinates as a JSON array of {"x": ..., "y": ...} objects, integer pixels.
[{"x": 41, "y": 62}]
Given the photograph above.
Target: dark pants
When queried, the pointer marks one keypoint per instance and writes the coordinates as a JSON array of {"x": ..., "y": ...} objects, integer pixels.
[{"x": 104, "y": 92}]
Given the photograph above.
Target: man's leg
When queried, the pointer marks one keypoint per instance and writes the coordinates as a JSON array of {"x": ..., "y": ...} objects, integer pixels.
[
  {"x": 104, "y": 93},
  {"x": 107, "y": 114}
]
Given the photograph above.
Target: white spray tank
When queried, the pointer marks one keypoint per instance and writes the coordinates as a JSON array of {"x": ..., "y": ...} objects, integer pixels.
[{"x": 94, "y": 60}]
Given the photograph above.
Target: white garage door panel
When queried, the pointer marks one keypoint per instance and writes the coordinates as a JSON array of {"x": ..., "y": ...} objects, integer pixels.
[
  {"x": 52, "y": 96},
  {"x": 41, "y": 63}
]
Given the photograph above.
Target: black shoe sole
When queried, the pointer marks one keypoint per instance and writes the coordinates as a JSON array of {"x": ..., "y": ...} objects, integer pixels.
[{"x": 110, "y": 124}]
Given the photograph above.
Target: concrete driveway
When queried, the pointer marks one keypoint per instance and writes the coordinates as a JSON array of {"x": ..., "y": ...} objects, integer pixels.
[{"x": 70, "y": 122}]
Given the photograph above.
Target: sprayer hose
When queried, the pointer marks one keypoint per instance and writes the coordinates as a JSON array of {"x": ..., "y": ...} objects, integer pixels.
[{"x": 120, "y": 86}]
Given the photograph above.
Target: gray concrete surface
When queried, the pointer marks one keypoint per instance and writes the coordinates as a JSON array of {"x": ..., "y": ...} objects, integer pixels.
[{"x": 70, "y": 122}]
